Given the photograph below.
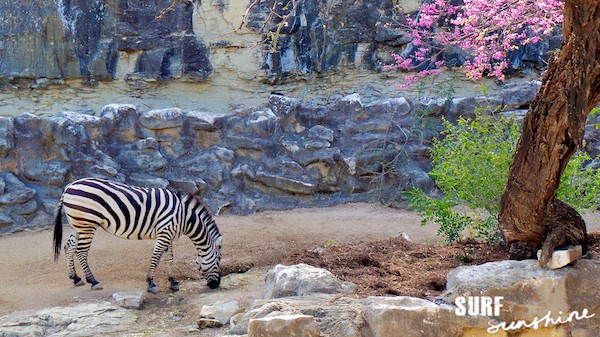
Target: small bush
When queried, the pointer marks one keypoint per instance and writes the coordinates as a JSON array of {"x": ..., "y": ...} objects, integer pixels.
[{"x": 471, "y": 160}]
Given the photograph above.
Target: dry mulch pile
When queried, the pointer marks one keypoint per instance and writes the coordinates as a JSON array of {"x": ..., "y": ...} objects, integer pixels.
[{"x": 399, "y": 267}]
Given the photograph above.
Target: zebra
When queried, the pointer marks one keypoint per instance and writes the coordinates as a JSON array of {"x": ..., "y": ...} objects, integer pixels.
[{"x": 132, "y": 212}]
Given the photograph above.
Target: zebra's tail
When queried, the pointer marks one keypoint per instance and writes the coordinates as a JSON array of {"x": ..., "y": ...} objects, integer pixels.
[{"x": 58, "y": 230}]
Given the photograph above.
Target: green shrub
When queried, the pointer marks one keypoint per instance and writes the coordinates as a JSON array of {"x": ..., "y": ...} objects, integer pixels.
[{"x": 471, "y": 160}]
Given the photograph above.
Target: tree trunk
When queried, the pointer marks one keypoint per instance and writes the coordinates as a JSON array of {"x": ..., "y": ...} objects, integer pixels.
[{"x": 530, "y": 215}]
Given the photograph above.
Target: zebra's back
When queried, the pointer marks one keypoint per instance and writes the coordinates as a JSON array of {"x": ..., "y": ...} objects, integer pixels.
[{"x": 126, "y": 211}]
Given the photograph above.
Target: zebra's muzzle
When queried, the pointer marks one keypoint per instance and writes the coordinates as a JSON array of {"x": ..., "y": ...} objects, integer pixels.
[{"x": 214, "y": 284}]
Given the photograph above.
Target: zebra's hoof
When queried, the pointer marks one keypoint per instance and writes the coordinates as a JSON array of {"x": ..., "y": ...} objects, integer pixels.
[
  {"x": 97, "y": 286},
  {"x": 153, "y": 290},
  {"x": 174, "y": 287},
  {"x": 80, "y": 283}
]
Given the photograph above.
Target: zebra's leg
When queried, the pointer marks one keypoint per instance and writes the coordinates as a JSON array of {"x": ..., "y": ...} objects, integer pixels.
[
  {"x": 173, "y": 284},
  {"x": 69, "y": 250},
  {"x": 83, "y": 248},
  {"x": 160, "y": 247}
]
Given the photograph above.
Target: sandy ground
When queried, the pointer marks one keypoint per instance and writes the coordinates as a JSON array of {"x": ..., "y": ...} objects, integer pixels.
[{"x": 29, "y": 278}]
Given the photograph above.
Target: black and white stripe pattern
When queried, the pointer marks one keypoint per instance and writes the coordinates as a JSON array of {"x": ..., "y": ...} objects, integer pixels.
[{"x": 136, "y": 213}]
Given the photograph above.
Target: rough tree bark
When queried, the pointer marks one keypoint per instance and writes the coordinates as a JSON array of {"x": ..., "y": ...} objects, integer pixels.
[{"x": 530, "y": 216}]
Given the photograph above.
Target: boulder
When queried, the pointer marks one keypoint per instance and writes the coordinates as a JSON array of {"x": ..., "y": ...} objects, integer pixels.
[
  {"x": 336, "y": 316},
  {"x": 302, "y": 279},
  {"x": 86, "y": 319},
  {"x": 221, "y": 311},
  {"x": 530, "y": 292},
  {"x": 284, "y": 325}
]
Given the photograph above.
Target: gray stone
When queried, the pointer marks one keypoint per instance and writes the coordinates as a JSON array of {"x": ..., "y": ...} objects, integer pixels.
[
  {"x": 117, "y": 111},
  {"x": 517, "y": 114},
  {"x": 129, "y": 299},
  {"x": 6, "y": 136},
  {"x": 200, "y": 120},
  {"x": 349, "y": 108},
  {"x": 321, "y": 132},
  {"x": 285, "y": 184},
  {"x": 148, "y": 181},
  {"x": 223, "y": 154},
  {"x": 162, "y": 119},
  {"x": 5, "y": 220},
  {"x": 283, "y": 105},
  {"x": 393, "y": 107},
  {"x": 466, "y": 106},
  {"x": 18, "y": 193},
  {"x": 302, "y": 279},
  {"x": 432, "y": 107},
  {"x": 184, "y": 186},
  {"x": 262, "y": 123},
  {"x": 519, "y": 96},
  {"x": 52, "y": 173}
]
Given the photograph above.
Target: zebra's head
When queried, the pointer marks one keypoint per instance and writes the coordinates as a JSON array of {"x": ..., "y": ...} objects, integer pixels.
[
  {"x": 209, "y": 263},
  {"x": 202, "y": 230}
]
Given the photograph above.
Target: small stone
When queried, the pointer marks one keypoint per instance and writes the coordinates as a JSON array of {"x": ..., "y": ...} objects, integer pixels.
[
  {"x": 208, "y": 323},
  {"x": 403, "y": 235},
  {"x": 319, "y": 250},
  {"x": 129, "y": 299},
  {"x": 563, "y": 257}
]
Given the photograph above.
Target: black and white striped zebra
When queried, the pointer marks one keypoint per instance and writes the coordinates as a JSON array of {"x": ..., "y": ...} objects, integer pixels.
[{"x": 136, "y": 213}]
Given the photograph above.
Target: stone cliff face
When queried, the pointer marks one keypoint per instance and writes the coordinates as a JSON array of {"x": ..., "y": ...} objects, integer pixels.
[
  {"x": 152, "y": 51},
  {"x": 95, "y": 40}
]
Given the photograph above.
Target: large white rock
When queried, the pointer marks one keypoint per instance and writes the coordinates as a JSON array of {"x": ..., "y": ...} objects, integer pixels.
[
  {"x": 284, "y": 325},
  {"x": 302, "y": 279},
  {"x": 529, "y": 292},
  {"x": 86, "y": 319},
  {"x": 415, "y": 317},
  {"x": 339, "y": 317},
  {"x": 221, "y": 311}
]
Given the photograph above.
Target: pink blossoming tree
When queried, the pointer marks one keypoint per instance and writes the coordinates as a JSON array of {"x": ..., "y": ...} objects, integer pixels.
[
  {"x": 531, "y": 216},
  {"x": 486, "y": 29}
]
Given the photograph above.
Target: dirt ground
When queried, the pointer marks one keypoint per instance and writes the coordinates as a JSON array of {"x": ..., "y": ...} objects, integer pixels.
[
  {"x": 358, "y": 241},
  {"x": 29, "y": 278}
]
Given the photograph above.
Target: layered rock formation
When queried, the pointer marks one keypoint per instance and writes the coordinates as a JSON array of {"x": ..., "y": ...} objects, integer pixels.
[{"x": 284, "y": 154}]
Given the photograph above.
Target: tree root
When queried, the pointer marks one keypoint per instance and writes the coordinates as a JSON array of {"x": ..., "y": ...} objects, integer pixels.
[{"x": 565, "y": 227}]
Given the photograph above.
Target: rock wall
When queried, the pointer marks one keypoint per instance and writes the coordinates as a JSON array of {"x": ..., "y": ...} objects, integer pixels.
[{"x": 284, "y": 154}]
